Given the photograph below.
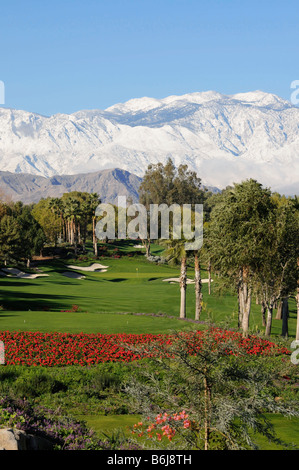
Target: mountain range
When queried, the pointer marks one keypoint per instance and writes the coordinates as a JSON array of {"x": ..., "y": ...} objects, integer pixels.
[
  {"x": 109, "y": 184},
  {"x": 224, "y": 138}
]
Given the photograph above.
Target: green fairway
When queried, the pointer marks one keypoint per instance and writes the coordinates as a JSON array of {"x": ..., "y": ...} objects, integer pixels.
[
  {"x": 130, "y": 286},
  {"x": 287, "y": 430}
]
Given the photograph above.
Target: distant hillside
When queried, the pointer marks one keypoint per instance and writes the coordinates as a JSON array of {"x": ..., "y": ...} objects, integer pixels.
[{"x": 109, "y": 184}]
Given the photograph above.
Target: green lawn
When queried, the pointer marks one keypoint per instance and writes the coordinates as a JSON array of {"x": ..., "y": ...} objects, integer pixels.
[
  {"x": 286, "y": 429},
  {"x": 131, "y": 285}
]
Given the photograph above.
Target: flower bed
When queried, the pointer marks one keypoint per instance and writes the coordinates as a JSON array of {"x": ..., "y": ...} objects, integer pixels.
[{"x": 64, "y": 349}]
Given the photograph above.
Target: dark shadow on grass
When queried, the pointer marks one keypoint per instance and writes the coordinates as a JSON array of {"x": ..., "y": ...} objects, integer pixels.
[
  {"x": 120, "y": 279},
  {"x": 5, "y": 315},
  {"x": 34, "y": 302},
  {"x": 12, "y": 283}
]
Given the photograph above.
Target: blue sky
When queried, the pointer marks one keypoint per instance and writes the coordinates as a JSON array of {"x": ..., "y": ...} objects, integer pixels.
[{"x": 61, "y": 56}]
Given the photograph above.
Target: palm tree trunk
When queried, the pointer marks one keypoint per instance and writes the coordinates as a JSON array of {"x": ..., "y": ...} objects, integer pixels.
[{"x": 183, "y": 285}]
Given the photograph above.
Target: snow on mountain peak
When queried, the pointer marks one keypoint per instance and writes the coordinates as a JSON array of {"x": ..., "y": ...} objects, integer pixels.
[
  {"x": 225, "y": 138},
  {"x": 260, "y": 98}
]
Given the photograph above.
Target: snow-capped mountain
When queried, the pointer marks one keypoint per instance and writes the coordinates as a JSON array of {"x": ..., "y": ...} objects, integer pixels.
[{"x": 224, "y": 138}]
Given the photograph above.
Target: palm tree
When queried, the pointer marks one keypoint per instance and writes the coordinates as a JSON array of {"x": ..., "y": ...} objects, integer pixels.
[
  {"x": 177, "y": 254},
  {"x": 56, "y": 206},
  {"x": 94, "y": 201},
  {"x": 72, "y": 212}
]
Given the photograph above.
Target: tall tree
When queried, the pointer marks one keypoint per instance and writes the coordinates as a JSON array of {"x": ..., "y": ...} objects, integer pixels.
[
  {"x": 235, "y": 238},
  {"x": 276, "y": 268},
  {"x": 176, "y": 254}
]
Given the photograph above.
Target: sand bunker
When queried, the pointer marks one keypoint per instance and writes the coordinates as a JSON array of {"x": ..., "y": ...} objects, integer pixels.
[
  {"x": 173, "y": 280},
  {"x": 17, "y": 273},
  {"x": 94, "y": 267},
  {"x": 73, "y": 275}
]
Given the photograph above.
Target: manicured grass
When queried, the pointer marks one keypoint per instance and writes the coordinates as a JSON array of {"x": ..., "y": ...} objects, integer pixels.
[
  {"x": 131, "y": 285},
  {"x": 109, "y": 424},
  {"x": 286, "y": 429}
]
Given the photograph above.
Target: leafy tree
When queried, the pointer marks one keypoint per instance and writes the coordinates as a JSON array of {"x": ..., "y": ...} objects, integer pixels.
[
  {"x": 10, "y": 238},
  {"x": 32, "y": 235},
  {"x": 166, "y": 184},
  {"x": 225, "y": 392},
  {"x": 276, "y": 271},
  {"x": 235, "y": 239},
  {"x": 48, "y": 218}
]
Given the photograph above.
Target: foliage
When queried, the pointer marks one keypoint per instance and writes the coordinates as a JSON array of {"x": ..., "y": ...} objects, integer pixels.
[
  {"x": 225, "y": 391},
  {"x": 64, "y": 432}
]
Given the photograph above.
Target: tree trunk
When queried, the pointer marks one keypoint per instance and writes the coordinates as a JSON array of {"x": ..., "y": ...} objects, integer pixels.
[
  {"x": 147, "y": 246},
  {"x": 297, "y": 300},
  {"x": 28, "y": 263},
  {"x": 244, "y": 301},
  {"x": 209, "y": 277},
  {"x": 247, "y": 309},
  {"x": 240, "y": 300},
  {"x": 269, "y": 319},
  {"x": 279, "y": 311},
  {"x": 263, "y": 309},
  {"x": 94, "y": 237},
  {"x": 183, "y": 285},
  {"x": 198, "y": 284},
  {"x": 207, "y": 393},
  {"x": 285, "y": 316}
]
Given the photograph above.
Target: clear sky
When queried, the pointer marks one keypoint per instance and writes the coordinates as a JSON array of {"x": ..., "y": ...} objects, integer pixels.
[{"x": 61, "y": 56}]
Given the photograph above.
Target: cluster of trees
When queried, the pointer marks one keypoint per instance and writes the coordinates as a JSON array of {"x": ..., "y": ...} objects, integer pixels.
[
  {"x": 25, "y": 229},
  {"x": 21, "y": 236},
  {"x": 251, "y": 240},
  {"x": 68, "y": 218}
]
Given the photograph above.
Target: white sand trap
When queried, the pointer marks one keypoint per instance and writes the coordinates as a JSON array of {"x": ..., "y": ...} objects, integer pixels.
[
  {"x": 93, "y": 267},
  {"x": 73, "y": 275},
  {"x": 139, "y": 246},
  {"x": 172, "y": 280},
  {"x": 17, "y": 273}
]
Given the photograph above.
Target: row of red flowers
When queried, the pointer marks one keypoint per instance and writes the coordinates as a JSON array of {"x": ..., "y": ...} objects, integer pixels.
[{"x": 63, "y": 349}]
